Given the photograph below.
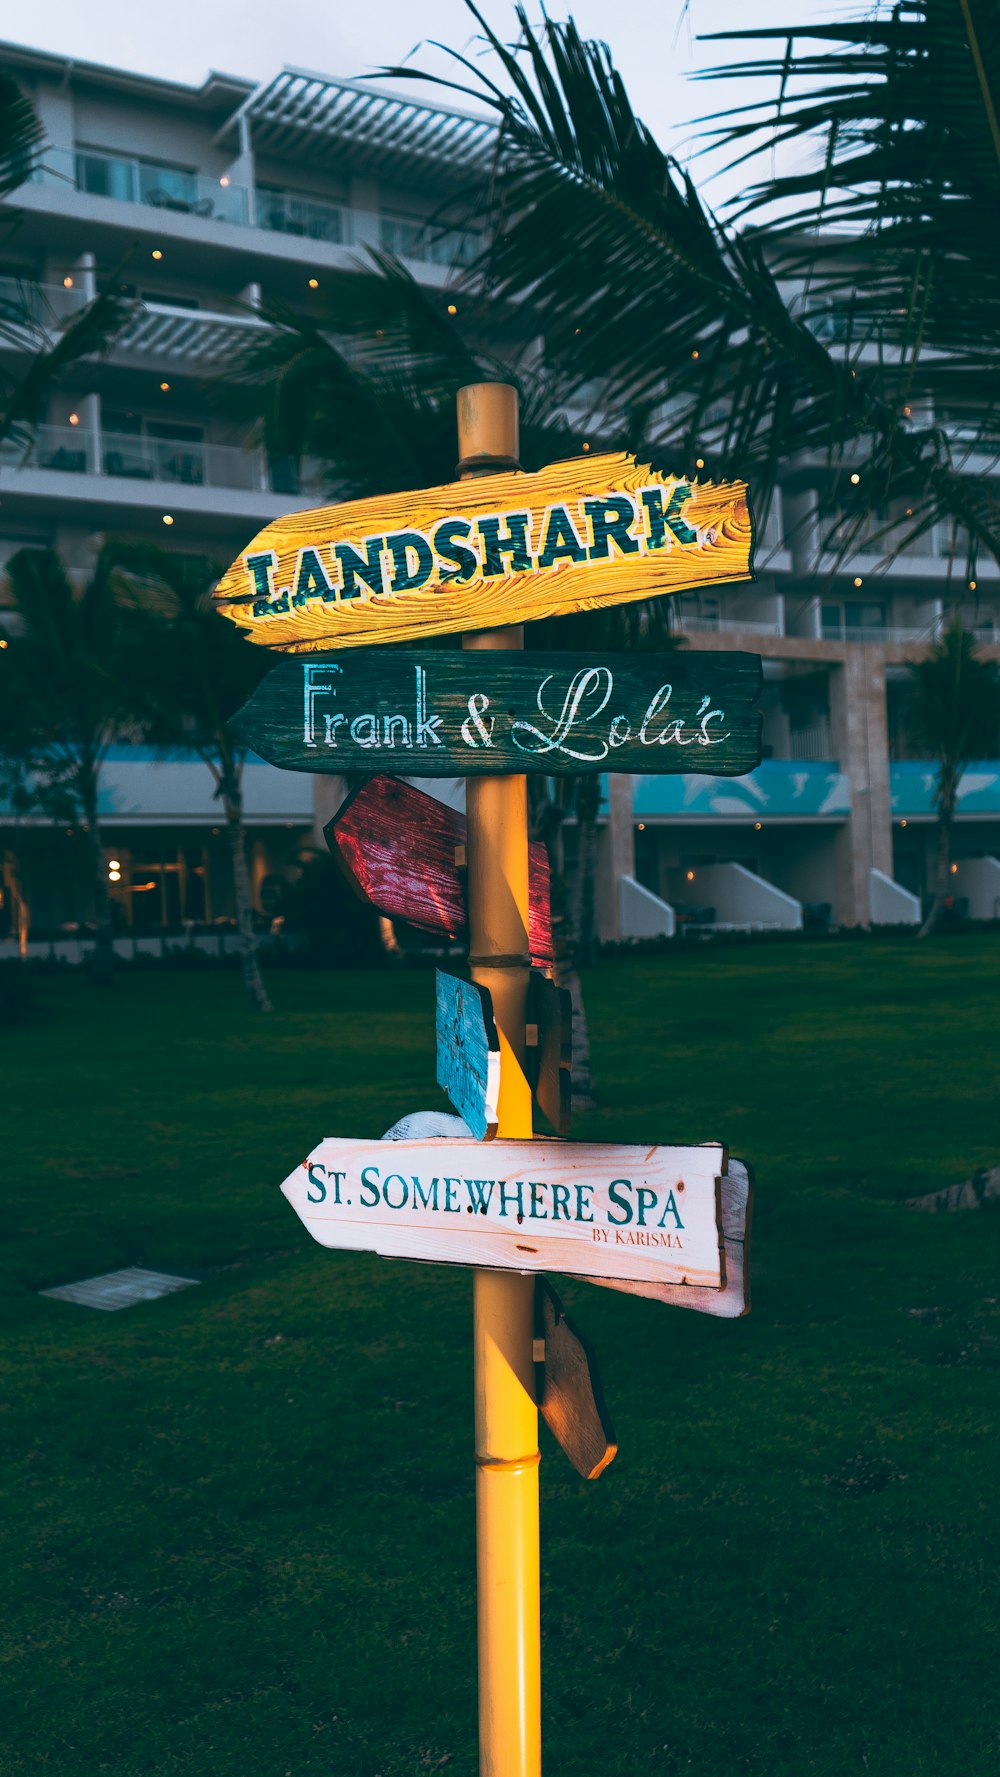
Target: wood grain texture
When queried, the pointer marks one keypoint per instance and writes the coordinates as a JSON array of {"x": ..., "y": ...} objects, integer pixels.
[
  {"x": 397, "y": 846},
  {"x": 434, "y": 713},
  {"x": 586, "y": 1209},
  {"x": 734, "y": 1300},
  {"x": 468, "y": 1052},
  {"x": 583, "y": 534},
  {"x": 570, "y": 1396},
  {"x": 550, "y": 1054}
]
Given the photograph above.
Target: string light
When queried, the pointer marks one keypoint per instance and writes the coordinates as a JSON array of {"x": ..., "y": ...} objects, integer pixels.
[
  {"x": 858, "y": 580},
  {"x": 642, "y": 826},
  {"x": 699, "y": 462},
  {"x": 954, "y": 869},
  {"x": 690, "y": 875},
  {"x": 585, "y": 446},
  {"x": 314, "y": 283},
  {"x": 74, "y": 419},
  {"x": 696, "y": 354},
  {"x": 902, "y": 823},
  {"x": 67, "y": 283},
  {"x": 906, "y": 412},
  {"x": 452, "y": 310},
  {"x": 855, "y": 478},
  {"x": 156, "y": 253},
  {"x": 168, "y": 518},
  {"x": 165, "y": 387},
  {"x": 3, "y": 641},
  {"x": 225, "y": 179},
  {"x": 757, "y": 826},
  {"x": 972, "y": 586}
]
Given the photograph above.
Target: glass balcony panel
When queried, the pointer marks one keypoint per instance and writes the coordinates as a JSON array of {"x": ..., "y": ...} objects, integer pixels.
[
  {"x": 409, "y": 238},
  {"x": 167, "y": 188},
  {"x": 284, "y": 213},
  {"x": 101, "y": 175}
]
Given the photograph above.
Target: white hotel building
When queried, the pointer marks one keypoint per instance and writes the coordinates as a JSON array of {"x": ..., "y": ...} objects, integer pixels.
[{"x": 200, "y": 200}]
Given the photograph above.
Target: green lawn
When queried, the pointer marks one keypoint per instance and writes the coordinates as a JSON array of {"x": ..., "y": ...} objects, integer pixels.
[{"x": 238, "y": 1523}]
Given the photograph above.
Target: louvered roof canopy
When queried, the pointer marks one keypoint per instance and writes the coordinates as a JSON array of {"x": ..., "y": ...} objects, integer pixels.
[{"x": 338, "y": 122}]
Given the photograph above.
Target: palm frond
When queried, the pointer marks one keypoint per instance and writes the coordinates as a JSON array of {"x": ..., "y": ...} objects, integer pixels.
[{"x": 21, "y": 136}]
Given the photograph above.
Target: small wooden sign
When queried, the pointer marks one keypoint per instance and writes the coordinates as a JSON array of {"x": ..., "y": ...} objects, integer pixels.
[
  {"x": 590, "y": 532},
  {"x": 431, "y": 713},
  {"x": 401, "y": 850},
  {"x": 570, "y": 1397},
  {"x": 468, "y": 1052},
  {"x": 549, "y": 1049},
  {"x": 589, "y": 1209},
  {"x": 733, "y": 1300}
]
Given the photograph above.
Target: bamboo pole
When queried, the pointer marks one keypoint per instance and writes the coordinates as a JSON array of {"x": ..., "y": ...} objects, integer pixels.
[{"x": 510, "y": 1734}]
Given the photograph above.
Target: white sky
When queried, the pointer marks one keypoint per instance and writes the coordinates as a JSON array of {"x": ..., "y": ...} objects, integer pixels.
[{"x": 652, "y": 41}]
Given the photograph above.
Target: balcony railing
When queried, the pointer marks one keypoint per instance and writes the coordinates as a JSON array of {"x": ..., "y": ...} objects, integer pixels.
[
  {"x": 759, "y": 626},
  {"x": 128, "y": 179},
  {"x": 76, "y": 450},
  {"x": 409, "y": 238},
  {"x": 27, "y": 308},
  {"x": 284, "y": 213},
  {"x": 133, "y": 181}
]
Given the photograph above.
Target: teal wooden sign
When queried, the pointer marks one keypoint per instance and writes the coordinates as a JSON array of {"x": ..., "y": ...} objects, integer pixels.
[
  {"x": 468, "y": 1052},
  {"x": 453, "y": 713}
]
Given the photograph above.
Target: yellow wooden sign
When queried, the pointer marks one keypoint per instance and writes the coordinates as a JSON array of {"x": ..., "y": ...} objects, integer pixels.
[{"x": 579, "y": 535}]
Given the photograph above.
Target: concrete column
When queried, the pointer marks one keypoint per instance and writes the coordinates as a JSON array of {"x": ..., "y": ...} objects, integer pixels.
[
  {"x": 860, "y": 732},
  {"x": 615, "y": 857}
]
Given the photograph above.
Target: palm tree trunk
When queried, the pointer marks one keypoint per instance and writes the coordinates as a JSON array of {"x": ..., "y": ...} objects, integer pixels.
[
  {"x": 232, "y": 801},
  {"x": 103, "y": 959},
  {"x": 947, "y": 795}
]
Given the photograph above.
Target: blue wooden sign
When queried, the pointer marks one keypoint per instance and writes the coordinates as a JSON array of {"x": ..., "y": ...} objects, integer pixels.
[{"x": 468, "y": 1052}]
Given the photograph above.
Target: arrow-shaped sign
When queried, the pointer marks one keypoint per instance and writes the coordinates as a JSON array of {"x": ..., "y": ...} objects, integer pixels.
[
  {"x": 425, "y": 713},
  {"x": 589, "y": 1209},
  {"x": 403, "y": 850},
  {"x": 594, "y": 531}
]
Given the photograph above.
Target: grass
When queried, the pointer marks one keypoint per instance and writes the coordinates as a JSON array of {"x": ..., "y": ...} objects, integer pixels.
[{"x": 238, "y": 1522}]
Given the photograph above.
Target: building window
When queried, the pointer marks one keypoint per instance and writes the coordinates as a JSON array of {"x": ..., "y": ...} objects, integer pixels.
[
  {"x": 852, "y": 621},
  {"x": 408, "y": 237},
  {"x": 289, "y": 212},
  {"x": 152, "y": 450}
]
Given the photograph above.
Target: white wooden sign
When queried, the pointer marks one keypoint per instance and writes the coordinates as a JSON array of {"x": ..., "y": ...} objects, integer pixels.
[{"x": 588, "y": 1209}]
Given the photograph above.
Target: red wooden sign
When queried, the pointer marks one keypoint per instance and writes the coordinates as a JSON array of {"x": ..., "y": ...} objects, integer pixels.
[{"x": 401, "y": 849}]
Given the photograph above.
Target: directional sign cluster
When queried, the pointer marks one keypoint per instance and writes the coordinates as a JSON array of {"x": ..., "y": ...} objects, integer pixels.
[{"x": 669, "y": 1222}]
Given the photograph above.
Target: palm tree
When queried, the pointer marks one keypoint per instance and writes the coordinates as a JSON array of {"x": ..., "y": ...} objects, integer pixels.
[
  {"x": 62, "y": 703},
  {"x": 35, "y": 363},
  {"x": 190, "y": 674},
  {"x": 899, "y": 111},
  {"x": 685, "y": 322},
  {"x": 954, "y": 717}
]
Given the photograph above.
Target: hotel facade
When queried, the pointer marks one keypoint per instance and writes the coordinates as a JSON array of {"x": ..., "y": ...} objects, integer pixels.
[{"x": 199, "y": 203}]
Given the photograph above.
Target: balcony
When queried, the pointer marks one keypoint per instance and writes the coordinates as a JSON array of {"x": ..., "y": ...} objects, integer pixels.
[
  {"x": 178, "y": 191},
  {"x": 121, "y": 457},
  {"x": 30, "y": 313},
  {"x": 126, "y": 179},
  {"x": 722, "y": 624},
  {"x": 285, "y": 213}
]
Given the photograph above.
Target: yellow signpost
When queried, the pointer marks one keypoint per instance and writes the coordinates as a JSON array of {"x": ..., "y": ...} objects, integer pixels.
[
  {"x": 594, "y": 532},
  {"x": 507, "y": 1455}
]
